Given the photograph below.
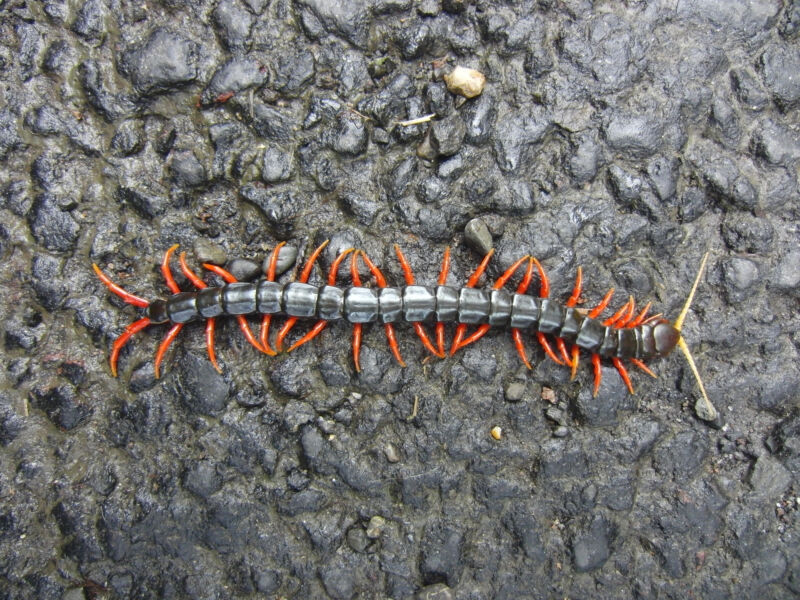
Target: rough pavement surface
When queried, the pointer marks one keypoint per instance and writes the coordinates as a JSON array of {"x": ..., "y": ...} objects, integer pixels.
[{"x": 624, "y": 137}]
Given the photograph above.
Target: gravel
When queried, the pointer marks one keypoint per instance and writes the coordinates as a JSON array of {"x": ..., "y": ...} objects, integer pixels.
[{"x": 627, "y": 138}]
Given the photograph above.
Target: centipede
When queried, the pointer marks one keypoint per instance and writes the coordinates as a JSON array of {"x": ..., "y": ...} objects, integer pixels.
[{"x": 565, "y": 331}]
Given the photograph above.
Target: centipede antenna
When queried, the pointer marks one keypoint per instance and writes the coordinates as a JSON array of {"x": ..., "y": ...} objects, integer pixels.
[{"x": 678, "y": 324}]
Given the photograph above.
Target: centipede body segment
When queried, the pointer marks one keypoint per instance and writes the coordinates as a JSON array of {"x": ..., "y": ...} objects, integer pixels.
[{"x": 563, "y": 330}]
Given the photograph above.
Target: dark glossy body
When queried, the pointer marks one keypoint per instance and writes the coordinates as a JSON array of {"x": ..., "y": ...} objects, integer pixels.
[{"x": 413, "y": 303}]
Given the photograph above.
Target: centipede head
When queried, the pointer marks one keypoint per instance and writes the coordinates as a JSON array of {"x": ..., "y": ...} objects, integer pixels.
[{"x": 681, "y": 342}]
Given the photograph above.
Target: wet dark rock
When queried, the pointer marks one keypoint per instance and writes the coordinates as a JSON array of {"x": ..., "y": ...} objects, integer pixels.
[
  {"x": 786, "y": 275},
  {"x": 769, "y": 478},
  {"x": 739, "y": 274},
  {"x": 165, "y": 62},
  {"x": 784, "y": 441},
  {"x": 447, "y": 135},
  {"x": 58, "y": 58},
  {"x": 440, "y": 554},
  {"x": 722, "y": 177},
  {"x": 293, "y": 72},
  {"x": 279, "y": 208},
  {"x": 129, "y": 138},
  {"x": 438, "y": 98},
  {"x": 9, "y": 136},
  {"x": 744, "y": 233},
  {"x": 634, "y": 135},
  {"x": 338, "y": 579},
  {"x": 681, "y": 456},
  {"x": 414, "y": 41},
  {"x": 364, "y": 208},
  {"x": 779, "y": 67},
  {"x": 144, "y": 201},
  {"x": 53, "y": 227},
  {"x": 110, "y": 105},
  {"x": 233, "y": 23},
  {"x": 662, "y": 172},
  {"x": 693, "y": 204},
  {"x": 748, "y": 89},
  {"x": 612, "y": 397},
  {"x": 479, "y": 115},
  {"x": 348, "y": 20},
  {"x": 725, "y": 122},
  {"x": 51, "y": 290},
  {"x": 349, "y": 135},
  {"x": 202, "y": 479},
  {"x": 202, "y": 389},
  {"x": 235, "y": 76},
  {"x": 584, "y": 161},
  {"x": 186, "y": 170},
  {"x": 514, "y": 133},
  {"x": 271, "y": 123},
  {"x": 627, "y": 187},
  {"x": 90, "y": 22},
  {"x": 62, "y": 404},
  {"x": 294, "y": 377},
  {"x": 437, "y": 591},
  {"x": 591, "y": 546},
  {"x": 776, "y": 144}
]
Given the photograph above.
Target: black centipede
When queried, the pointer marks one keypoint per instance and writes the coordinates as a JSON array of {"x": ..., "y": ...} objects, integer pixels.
[{"x": 563, "y": 330}]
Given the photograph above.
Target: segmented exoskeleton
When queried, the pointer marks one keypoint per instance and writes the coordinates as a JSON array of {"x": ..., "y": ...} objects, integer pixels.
[{"x": 563, "y": 330}]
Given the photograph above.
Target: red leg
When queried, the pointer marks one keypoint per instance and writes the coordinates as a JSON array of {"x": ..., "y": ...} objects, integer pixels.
[
  {"x": 640, "y": 317},
  {"x": 321, "y": 324},
  {"x": 440, "y": 333},
  {"x": 388, "y": 328},
  {"x": 526, "y": 279},
  {"x": 643, "y": 367},
  {"x": 622, "y": 373},
  {"x": 243, "y": 325},
  {"x": 576, "y": 353},
  {"x": 357, "y": 346},
  {"x": 162, "y": 348},
  {"x": 595, "y": 312},
  {"x": 420, "y": 331},
  {"x": 167, "y": 272},
  {"x": 210, "y": 328},
  {"x": 598, "y": 373},
  {"x": 304, "y": 275},
  {"x": 516, "y": 335},
  {"x": 461, "y": 330},
  {"x": 272, "y": 267},
  {"x": 314, "y": 332},
  {"x": 129, "y": 332},
  {"x": 408, "y": 274},
  {"x": 210, "y": 323},
  {"x": 576, "y": 291},
  {"x": 617, "y": 315},
  {"x": 118, "y": 291},
  {"x": 501, "y": 281},
  {"x": 544, "y": 285},
  {"x": 481, "y": 331},
  {"x": 546, "y": 347},
  {"x": 562, "y": 348},
  {"x": 625, "y": 319}
]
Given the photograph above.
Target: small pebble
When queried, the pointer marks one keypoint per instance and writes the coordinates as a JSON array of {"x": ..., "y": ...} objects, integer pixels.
[
  {"x": 375, "y": 527},
  {"x": 391, "y": 453},
  {"x": 287, "y": 257},
  {"x": 208, "y": 252},
  {"x": 465, "y": 82},
  {"x": 560, "y": 432},
  {"x": 477, "y": 236},
  {"x": 514, "y": 391},
  {"x": 497, "y": 432},
  {"x": 704, "y": 410}
]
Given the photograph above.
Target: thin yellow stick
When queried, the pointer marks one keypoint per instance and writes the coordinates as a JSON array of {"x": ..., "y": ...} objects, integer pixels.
[{"x": 678, "y": 324}]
